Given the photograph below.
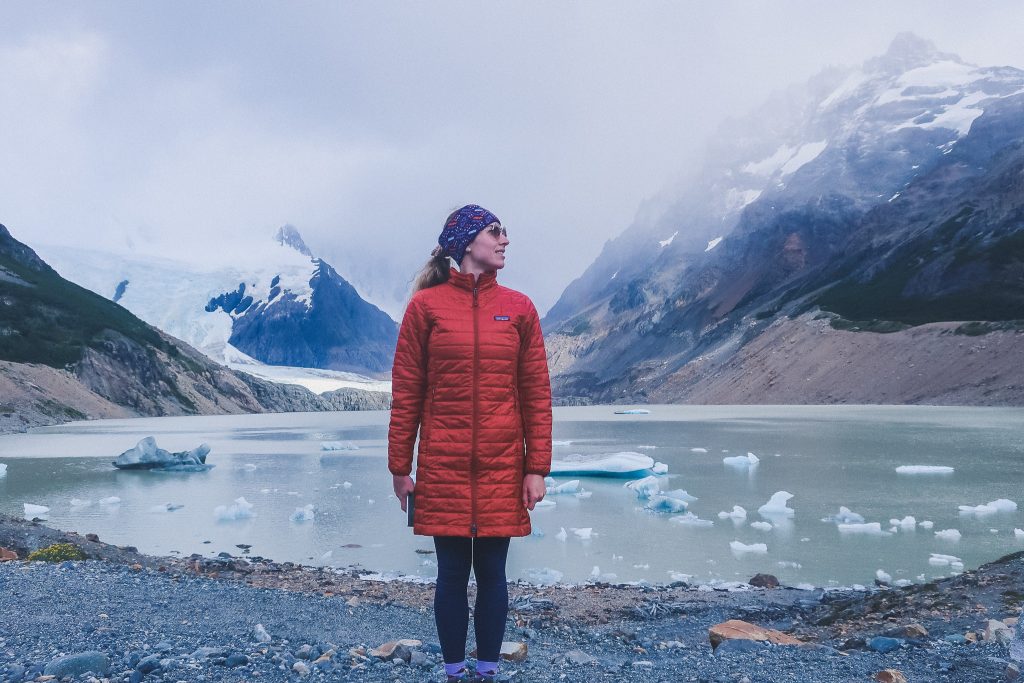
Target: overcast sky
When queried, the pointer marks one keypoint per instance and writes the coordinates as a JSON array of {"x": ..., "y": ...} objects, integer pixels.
[{"x": 195, "y": 127}]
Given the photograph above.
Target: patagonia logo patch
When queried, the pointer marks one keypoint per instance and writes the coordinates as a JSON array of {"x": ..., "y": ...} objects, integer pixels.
[{"x": 501, "y": 317}]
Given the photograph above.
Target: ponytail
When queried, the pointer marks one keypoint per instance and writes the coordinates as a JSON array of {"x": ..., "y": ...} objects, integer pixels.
[{"x": 435, "y": 272}]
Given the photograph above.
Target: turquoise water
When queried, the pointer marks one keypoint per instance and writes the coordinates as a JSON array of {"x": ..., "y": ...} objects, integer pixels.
[{"x": 824, "y": 456}]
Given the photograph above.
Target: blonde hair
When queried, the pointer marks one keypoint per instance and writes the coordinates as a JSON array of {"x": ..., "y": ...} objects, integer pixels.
[{"x": 435, "y": 272}]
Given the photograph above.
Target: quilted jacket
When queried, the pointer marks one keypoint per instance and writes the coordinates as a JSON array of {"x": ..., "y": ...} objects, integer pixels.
[{"x": 471, "y": 376}]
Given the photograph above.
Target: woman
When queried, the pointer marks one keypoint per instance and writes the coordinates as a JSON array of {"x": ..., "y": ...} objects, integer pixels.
[{"x": 470, "y": 375}]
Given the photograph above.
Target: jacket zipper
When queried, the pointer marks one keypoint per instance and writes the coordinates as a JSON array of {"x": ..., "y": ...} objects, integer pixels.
[{"x": 472, "y": 456}]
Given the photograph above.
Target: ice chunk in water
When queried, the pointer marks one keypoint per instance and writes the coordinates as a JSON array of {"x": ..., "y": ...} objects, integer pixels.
[
  {"x": 562, "y": 442},
  {"x": 544, "y": 576},
  {"x": 761, "y": 526},
  {"x": 883, "y": 576},
  {"x": 79, "y": 503},
  {"x": 1018, "y": 534},
  {"x": 666, "y": 503},
  {"x": 844, "y": 516},
  {"x": 33, "y": 510},
  {"x": 660, "y": 468},
  {"x": 737, "y": 513},
  {"x": 644, "y": 488},
  {"x": 869, "y": 528},
  {"x": 110, "y": 501},
  {"x": 567, "y": 487},
  {"x": 776, "y": 506},
  {"x": 346, "y": 485},
  {"x": 698, "y": 450},
  {"x": 561, "y": 535},
  {"x": 303, "y": 514},
  {"x": 147, "y": 455},
  {"x": 748, "y": 460},
  {"x": 584, "y": 533},
  {"x": 166, "y": 507},
  {"x": 541, "y": 504},
  {"x": 240, "y": 509},
  {"x": 743, "y": 548},
  {"x": 924, "y": 469},
  {"x": 584, "y": 494},
  {"x": 908, "y": 523},
  {"x": 620, "y": 464},
  {"x": 690, "y": 519},
  {"x": 948, "y": 535},
  {"x": 902, "y": 583},
  {"x": 940, "y": 560},
  {"x": 990, "y": 508},
  {"x": 926, "y": 524},
  {"x": 3, "y": 470},
  {"x": 338, "y": 446}
]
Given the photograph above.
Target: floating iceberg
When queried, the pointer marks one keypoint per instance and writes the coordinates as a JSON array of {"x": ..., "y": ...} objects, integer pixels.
[
  {"x": 633, "y": 411},
  {"x": 660, "y": 468},
  {"x": 748, "y": 460},
  {"x": 776, "y": 506},
  {"x": 561, "y": 535},
  {"x": 883, "y": 576},
  {"x": 622, "y": 464},
  {"x": 563, "y": 442},
  {"x": 110, "y": 501},
  {"x": 690, "y": 519},
  {"x": 926, "y": 524},
  {"x": 567, "y": 487},
  {"x": 584, "y": 533},
  {"x": 940, "y": 560},
  {"x": 948, "y": 535},
  {"x": 3, "y": 470},
  {"x": 543, "y": 504},
  {"x": 698, "y": 450},
  {"x": 544, "y": 576},
  {"x": 844, "y": 516},
  {"x": 1000, "y": 505},
  {"x": 664, "y": 502},
  {"x": 869, "y": 528},
  {"x": 147, "y": 456},
  {"x": 908, "y": 523},
  {"x": 644, "y": 488},
  {"x": 33, "y": 510},
  {"x": 761, "y": 526},
  {"x": 924, "y": 469},
  {"x": 303, "y": 514},
  {"x": 584, "y": 494},
  {"x": 338, "y": 446},
  {"x": 240, "y": 509},
  {"x": 742, "y": 548},
  {"x": 737, "y": 513},
  {"x": 1018, "y": 534}
]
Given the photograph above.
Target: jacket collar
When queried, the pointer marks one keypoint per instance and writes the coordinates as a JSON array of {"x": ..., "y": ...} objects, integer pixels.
[{"x": 467, "y": 281}]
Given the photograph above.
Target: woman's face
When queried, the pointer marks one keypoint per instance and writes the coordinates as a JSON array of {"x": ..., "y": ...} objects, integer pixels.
[{"x": 487, "y": 250}]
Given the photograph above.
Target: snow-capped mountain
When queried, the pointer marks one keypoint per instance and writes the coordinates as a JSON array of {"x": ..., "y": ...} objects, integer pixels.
[
  {"x": 276, "y": 305},
  {"x": 852, "y": 192}
]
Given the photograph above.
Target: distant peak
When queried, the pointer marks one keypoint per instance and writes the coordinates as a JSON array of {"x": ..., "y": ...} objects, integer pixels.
[
  {"x": 908, "y": 51},
  {"x": 288, "y": 236}
]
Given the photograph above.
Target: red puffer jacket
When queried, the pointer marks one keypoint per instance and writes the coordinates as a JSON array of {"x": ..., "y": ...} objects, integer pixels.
[{"x": 471, "y": 375}]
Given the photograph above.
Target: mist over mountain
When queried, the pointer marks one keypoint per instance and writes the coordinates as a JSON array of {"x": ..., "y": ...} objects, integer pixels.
[{"x": 865, "y": 200}]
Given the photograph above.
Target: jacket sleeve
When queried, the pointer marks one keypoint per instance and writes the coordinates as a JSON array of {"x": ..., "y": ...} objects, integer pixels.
[
  {"x": 408, "y": 387},
  {"x": 535, "y": 395}
]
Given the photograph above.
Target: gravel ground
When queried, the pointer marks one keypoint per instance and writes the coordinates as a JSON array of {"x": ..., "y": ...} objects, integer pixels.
[{"x": 248, "y": 618}]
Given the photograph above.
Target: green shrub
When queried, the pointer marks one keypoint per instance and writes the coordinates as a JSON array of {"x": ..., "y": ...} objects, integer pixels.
[{"x": 58, "y": 552}]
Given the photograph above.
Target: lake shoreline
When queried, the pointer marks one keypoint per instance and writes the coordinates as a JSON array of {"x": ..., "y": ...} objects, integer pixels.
[{"x": 621, "y": 627}]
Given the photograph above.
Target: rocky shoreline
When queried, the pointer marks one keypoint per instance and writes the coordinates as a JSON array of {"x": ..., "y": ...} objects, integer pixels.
[{"x": 124, "y": 616}]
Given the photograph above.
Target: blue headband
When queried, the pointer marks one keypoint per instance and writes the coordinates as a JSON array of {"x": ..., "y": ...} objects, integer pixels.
[{"x": 462, "y": 227}]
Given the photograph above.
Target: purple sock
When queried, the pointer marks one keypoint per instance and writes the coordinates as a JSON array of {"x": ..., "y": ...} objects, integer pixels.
[
  {"x": 488, "y": 668},
  {"x": 455, "y": 669}
]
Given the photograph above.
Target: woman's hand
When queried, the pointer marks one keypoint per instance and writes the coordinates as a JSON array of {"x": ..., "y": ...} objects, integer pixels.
[
  {"x": 533, "y": 490},
  {"x": 403, "y": 487}
]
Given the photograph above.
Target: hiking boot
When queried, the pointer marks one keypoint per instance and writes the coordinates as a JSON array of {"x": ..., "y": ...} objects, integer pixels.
[{"x": 461, "y": 677}]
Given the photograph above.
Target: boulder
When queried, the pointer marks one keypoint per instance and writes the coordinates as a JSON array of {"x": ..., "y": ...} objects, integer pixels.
[
  {"x": 890, "y": 676},
  {"x": 997, "y": 631},
  {"x": 77, "y": 664},
  {"x": 396, "y": 649},
  {"x": 513, "y": 652},
  {"x": 884, "y": 645},
  {"x": 764, "y": 581},
  {"x": 579, "y": 657},
  {"x": 735, "y": 629},
  {"x": 913, "y": 630},
  {"x": 6, "y": 555}
]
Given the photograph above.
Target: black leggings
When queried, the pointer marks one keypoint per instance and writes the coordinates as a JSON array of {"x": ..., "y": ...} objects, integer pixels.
[{"x": 455, "y": 556}]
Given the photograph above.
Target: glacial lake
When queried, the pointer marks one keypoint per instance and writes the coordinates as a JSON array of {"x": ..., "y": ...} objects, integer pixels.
[{"x": 826, "y": 456}]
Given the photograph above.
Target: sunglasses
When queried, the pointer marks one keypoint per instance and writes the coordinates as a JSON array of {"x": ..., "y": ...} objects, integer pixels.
[{"x": 497, "y": 231}]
